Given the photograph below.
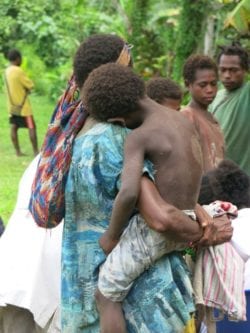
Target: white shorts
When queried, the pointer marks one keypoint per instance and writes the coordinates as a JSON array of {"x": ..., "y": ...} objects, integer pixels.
[{"x": 139, "y": 247}]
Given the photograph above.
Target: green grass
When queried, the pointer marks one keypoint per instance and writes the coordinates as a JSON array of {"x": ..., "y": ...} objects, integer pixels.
[{"x": 11, "y": 166}]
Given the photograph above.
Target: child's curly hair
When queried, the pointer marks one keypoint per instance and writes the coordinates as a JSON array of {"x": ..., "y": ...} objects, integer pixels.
[
  {"x": 227, "y": 183},
  {"x": 112, "y": 90},
  {"x": 160, "y": 88}
]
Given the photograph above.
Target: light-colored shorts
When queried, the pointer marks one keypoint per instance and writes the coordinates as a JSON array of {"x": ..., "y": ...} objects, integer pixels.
[{"x": 139, "y": 247}]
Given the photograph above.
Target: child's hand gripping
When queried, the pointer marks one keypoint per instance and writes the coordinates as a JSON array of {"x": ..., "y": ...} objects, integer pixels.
[{"x": 107, "y": 243}]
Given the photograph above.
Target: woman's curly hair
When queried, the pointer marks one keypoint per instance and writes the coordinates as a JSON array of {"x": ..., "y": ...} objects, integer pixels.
[{"x": 93, "y": 52}]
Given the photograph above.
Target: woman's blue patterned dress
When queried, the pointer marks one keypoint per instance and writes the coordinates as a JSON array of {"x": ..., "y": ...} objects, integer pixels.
[{"x": 161, "y": 298}]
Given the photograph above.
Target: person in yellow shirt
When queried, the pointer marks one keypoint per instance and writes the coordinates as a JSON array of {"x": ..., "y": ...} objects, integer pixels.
[{"x": 18, "y": 86}]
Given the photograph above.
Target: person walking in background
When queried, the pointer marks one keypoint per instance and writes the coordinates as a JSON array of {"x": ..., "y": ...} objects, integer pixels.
[
  {"x": 231, "y": 106},
  {"x": 18, "y": 86},
  {"x": 200, "y": 76},
  {"x": 165, "y": 92}
]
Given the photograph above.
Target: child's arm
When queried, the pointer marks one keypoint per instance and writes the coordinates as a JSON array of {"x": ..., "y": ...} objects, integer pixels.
[{"x": 126, "y": 199}]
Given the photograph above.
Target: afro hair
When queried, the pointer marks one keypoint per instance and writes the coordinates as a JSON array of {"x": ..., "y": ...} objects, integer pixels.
[
  {"x": 13, "y": 55},
  {"x": 197, "y": 62},
  {"x": 227, "y": 183},
  {"x": 112, "y": 90},
  {"x": 93, "y": 52},
  {"x": 235, "y": 50},
  {"x": 160, "y": 88}
]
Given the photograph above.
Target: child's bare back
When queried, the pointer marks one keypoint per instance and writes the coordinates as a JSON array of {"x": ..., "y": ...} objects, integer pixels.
[{"x": 171, "y": 143}]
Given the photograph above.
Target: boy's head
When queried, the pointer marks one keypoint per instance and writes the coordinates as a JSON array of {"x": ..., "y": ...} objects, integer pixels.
[
  {"x": 112, "y": 91},
  {"x": 233, "y": 64},
  {"x": 227, "y": 183},
  {"x": 200, "y": 76},
  {"x": 98, "y": 50},
  {"x": 15, "y": 57},
  {"x": 165, "y": 92}
]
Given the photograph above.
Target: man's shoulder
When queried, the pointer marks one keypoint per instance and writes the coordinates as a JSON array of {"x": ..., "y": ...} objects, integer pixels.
[
  {"x": 14, "y": 68},
  {"x": 221, "y": 92},
  {"x": 247, "y": 86},
  {"x": 220, "y": 97},
  {"x": 13, "y": 71}
]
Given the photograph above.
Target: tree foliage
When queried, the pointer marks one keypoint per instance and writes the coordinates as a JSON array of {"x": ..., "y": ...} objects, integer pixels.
[
  {"x": 239, "y": 18},
  {"x": 190, "y": 31},
  {"x": 164, "y": 33}
]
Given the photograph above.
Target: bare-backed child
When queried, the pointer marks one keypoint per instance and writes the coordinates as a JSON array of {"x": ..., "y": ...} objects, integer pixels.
[
  {"x": 165, "y": 92},
  {"x": 169, "y": 141}
]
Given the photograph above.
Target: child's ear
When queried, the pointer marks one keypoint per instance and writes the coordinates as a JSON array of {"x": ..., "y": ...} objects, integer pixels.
[{"x": 117, "y": 120}]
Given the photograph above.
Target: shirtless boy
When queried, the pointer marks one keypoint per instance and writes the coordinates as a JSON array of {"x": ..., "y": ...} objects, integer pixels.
[{"x": 169, "y": 141}]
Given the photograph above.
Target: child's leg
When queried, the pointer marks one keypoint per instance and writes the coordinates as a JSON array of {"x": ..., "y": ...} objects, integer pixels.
[
  {"x": 138, "y": 248},
  {"x": 111, "y": 315}
]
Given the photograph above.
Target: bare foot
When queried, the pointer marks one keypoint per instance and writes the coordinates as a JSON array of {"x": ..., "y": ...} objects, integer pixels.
[
  {"x": 19, "y": 153},
  {"x": 111, "y": 315}
]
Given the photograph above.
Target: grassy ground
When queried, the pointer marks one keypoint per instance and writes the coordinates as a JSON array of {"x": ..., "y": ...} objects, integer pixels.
[{"x": 11, "y": 166}]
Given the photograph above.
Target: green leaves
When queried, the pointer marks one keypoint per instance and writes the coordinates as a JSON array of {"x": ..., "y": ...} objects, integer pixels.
[
  {"x": 239, "y": 18},
  {"x": 164, "y": 33}
]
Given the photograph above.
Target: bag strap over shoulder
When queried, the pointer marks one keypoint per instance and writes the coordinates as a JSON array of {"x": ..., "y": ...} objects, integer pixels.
[{"x": 8, "y": 90}]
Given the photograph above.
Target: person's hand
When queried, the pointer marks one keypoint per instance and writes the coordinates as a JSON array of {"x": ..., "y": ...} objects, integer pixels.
[
  {"x": 203, "y": 218},
  {"x": 107, "y": 243},
  {"x": 218, "y": 232}
]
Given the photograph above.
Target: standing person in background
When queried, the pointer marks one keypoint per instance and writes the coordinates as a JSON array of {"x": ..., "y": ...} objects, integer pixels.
[
  {"x": 200, "y": 76},
  {"x": 165, "y": 92},
  {"x": 18, "y": 86},
  {"x": 232, "y": 104}
]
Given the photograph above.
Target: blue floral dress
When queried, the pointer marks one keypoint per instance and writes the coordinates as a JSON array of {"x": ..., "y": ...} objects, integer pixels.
[{"x": 161, "y": 298}]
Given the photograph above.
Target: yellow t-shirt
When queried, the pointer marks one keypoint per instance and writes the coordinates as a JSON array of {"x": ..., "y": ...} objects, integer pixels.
[{"x": 18, "y": 84}]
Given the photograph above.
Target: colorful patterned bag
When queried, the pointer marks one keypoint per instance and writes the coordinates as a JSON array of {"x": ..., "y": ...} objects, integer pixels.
[{"x": 47, "y": 202}]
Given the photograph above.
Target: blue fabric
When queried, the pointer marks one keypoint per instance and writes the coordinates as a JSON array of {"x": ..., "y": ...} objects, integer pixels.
[{"x": 161, "y": 298}]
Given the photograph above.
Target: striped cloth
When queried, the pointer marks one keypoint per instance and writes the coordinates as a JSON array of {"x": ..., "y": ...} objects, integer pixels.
[
  {"x": 224, "y": 280},
  {"x": 219, "y": 274}
]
